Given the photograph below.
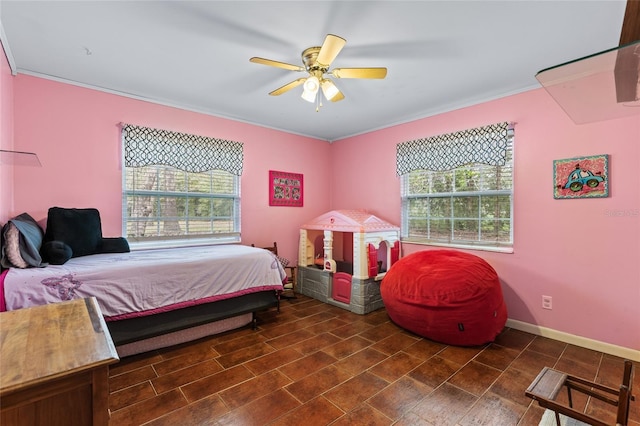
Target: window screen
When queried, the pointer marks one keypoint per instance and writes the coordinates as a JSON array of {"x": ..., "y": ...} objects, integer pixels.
[{"x": 467, "y": 205}]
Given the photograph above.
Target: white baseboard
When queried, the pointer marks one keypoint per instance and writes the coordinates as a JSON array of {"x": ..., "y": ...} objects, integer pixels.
[{"x": 584, "y": 342}]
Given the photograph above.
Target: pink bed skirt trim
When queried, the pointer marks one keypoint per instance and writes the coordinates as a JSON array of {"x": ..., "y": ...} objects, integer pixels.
[
  {"x": 3, "y": 305},
  {"x": 274, "y": 287}
]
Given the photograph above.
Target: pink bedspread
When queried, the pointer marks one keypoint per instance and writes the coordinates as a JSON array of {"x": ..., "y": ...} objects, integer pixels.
[{"x": 146, "y": 281}]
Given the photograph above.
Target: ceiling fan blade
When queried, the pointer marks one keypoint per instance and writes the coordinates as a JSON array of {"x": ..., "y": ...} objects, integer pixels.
[
  {"x": 272, "y": 63},
  {"x": 337, "y": 97},
  {"x": 359, "y": 72},
  {"x": 331, "y": 46},
  {"x": 287, "y": 87}
]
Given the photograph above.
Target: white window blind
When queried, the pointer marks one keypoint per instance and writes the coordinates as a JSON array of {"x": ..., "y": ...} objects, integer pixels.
[
  {"x": 457, "y": 189},
  {"x": 180, "y": 189}
]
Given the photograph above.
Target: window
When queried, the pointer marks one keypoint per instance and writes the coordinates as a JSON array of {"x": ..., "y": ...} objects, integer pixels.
[
  {"x": 180, "y": 189},
  {"x": 457, "y": 189}
]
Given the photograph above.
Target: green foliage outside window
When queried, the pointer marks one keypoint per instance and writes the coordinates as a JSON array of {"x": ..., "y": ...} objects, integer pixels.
[
  {"x": 470, "y": 205},
  {"x": 164, "y": 202}
]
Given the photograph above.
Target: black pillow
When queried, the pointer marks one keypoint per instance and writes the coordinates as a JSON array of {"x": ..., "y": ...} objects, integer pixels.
[
  {"x": 114, "y": 245},
  {"x": 80, "y": 229},
  {"x": 56, "y": 252}
]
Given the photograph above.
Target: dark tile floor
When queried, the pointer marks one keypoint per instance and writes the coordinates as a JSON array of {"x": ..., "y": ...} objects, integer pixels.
[{"x": 315, "y": 364}]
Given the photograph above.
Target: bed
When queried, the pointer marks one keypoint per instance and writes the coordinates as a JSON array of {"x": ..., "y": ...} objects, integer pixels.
[{"x": 156, "y": 298}]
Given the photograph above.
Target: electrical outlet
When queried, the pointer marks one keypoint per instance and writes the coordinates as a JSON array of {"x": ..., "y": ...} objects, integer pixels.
[{"x": 547, "y": 302}]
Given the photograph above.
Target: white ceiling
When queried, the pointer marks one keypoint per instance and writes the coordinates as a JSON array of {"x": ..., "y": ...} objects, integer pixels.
[{"x": 440, "y": 55}]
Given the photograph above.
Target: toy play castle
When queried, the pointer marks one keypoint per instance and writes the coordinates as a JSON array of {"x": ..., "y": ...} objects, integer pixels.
[{"x": 342, "y": 257}]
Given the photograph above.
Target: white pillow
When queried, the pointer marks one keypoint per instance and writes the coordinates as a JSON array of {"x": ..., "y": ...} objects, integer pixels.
[{"x": 12, "y": 247}]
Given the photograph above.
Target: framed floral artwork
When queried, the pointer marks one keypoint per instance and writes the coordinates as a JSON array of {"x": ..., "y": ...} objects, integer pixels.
[
  {"x": 581, "y": 177},
  {"x": 285, "y": 189}
]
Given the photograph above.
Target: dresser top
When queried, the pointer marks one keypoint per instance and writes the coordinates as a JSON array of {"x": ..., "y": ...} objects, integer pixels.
[{"x": 51, "y": 341}]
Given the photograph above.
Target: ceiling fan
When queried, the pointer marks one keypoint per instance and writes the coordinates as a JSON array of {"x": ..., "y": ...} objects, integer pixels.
[{"x": 317, "y": 61}]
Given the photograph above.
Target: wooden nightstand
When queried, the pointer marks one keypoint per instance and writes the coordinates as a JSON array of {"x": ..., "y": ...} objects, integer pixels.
[{"x": 54, "y": 365}]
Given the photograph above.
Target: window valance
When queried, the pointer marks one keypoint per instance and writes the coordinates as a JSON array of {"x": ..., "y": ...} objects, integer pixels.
[
  {"x": 485, "y": 145},
  {"x": 144, "y": 146}
]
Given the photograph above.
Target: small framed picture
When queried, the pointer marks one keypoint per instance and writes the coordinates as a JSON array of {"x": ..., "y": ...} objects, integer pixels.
[
  {"x": 581, "y": 177},
  {"x": 285, "y": 189}
]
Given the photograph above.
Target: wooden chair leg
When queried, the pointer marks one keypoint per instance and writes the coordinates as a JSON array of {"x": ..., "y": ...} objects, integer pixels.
[{"x": 569, "y": 395}]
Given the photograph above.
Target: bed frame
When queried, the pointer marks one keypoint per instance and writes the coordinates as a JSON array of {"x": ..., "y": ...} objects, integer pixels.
[{"x": 132, "y": 330}]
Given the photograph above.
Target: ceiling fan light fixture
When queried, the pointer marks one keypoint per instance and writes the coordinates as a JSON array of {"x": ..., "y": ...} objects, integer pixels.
[
  {"x": 329, "y": 89},
  {"x": 311, "y": 86},
  {"x": 308, "y": 96},
  {"x": 317, "y": 62}
]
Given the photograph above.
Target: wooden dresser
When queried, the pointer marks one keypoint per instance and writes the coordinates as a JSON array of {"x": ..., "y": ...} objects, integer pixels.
[{"x": 54, "y": 365}]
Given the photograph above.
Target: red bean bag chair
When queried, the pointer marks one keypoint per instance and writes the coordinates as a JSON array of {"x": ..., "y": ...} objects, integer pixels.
[{"x": 445, "y": 295}]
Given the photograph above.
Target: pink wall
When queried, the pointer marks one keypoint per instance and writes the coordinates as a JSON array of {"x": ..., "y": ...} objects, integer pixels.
[
  {"x": 6, "y": 136},
  {"x": 580, "y": 252},
  {"x": 75, "y": 133},
  {"x": 584, "y": 253}
]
